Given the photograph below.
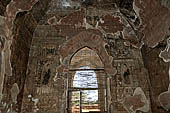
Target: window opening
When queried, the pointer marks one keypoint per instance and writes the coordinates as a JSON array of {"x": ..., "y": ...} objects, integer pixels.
[
  {"x": 87, "y": 97},
  {"x": 84, "y": 85}
]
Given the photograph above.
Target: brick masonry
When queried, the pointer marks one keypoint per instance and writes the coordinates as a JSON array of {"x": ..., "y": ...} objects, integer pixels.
[
  {"x": 53, "y": 45},
  {"x": 34, "y": 67}
]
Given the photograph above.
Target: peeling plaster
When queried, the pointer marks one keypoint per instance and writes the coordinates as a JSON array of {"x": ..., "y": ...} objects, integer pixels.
[
  {"x": 56, "y": 76},
  {"x": 13, "y": 8},
  {"x": 166, "y": 3},
  {"x": 131, "y": 103},
  {"x": 2, "y": 60},
  {"x": 35, "y": 100},
  {"x": 152, "y": 14},
  {"x": 84, "y": 39},
  {"x": 11, "y": 41},
  {"x": 164, "y": 99},
  {"x": 5, "y": 65},
  {"x": 105, "y": 33},
  {"x": 7, "y": 54},
  {"x": 137, "y": 10},
  {"x": 165, "y": 54},
  {"x": 87, "y": 25},
  {"x": 52, "y": 21},
  {"x": 29, "y": 96},
  {"x": 6, "y": 26},
  {"x": 130, "y": 32},
  {"x": 82, "y": 22}
]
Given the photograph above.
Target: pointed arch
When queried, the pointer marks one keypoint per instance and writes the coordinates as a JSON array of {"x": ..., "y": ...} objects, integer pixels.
[
  {"x": 86, "y": 57},
  {"x": 90, "y": 40}
]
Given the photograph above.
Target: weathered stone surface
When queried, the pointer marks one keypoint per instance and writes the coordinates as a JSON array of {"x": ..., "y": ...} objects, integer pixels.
[
  {"x": 111, "y": 24},
  {"x": 20, "y": 51},
  {"x": 136, "y": 102},
  {"x": 98, "y": 21},
  {"x": 2, "y": 24},
  {"x": 158, "y": 74},
  {"x": 74, "y": 18},
  {"x": 3, "y": 4},
  {"x": 83, "y": 39},
  {"x": 154, "y": 21},
  {"x": 165, "y": 54},
  {"x": 164, "y": 99},
  {"x": 57, "y": 42},
  {"x": 86, "y": 57},
  {"x": 2, "y": 68},
  {"x": 166, "y": 3},
  {"x": 13, "y": 8},
  {"x": 116, "y": 22}
]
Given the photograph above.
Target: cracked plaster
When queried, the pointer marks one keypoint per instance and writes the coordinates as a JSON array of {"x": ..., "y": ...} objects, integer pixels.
[
  {"x": 155, "y": 21},
  {"x": 165, "y": 54},
  {"x": 136, "y": 102},
  {"x": 138, "y": 9},
  {"x": 164, "y": 99}
]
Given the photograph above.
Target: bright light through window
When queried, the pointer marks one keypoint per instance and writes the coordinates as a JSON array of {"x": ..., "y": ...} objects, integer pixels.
[{"x": 86, "y": 79}]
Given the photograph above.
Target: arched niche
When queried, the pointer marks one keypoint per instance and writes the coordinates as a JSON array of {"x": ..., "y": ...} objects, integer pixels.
[
  {"x": 86, "y": 57},
  {"x": 85, "y": 66},
  {"x": 85, "y": 39}
]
